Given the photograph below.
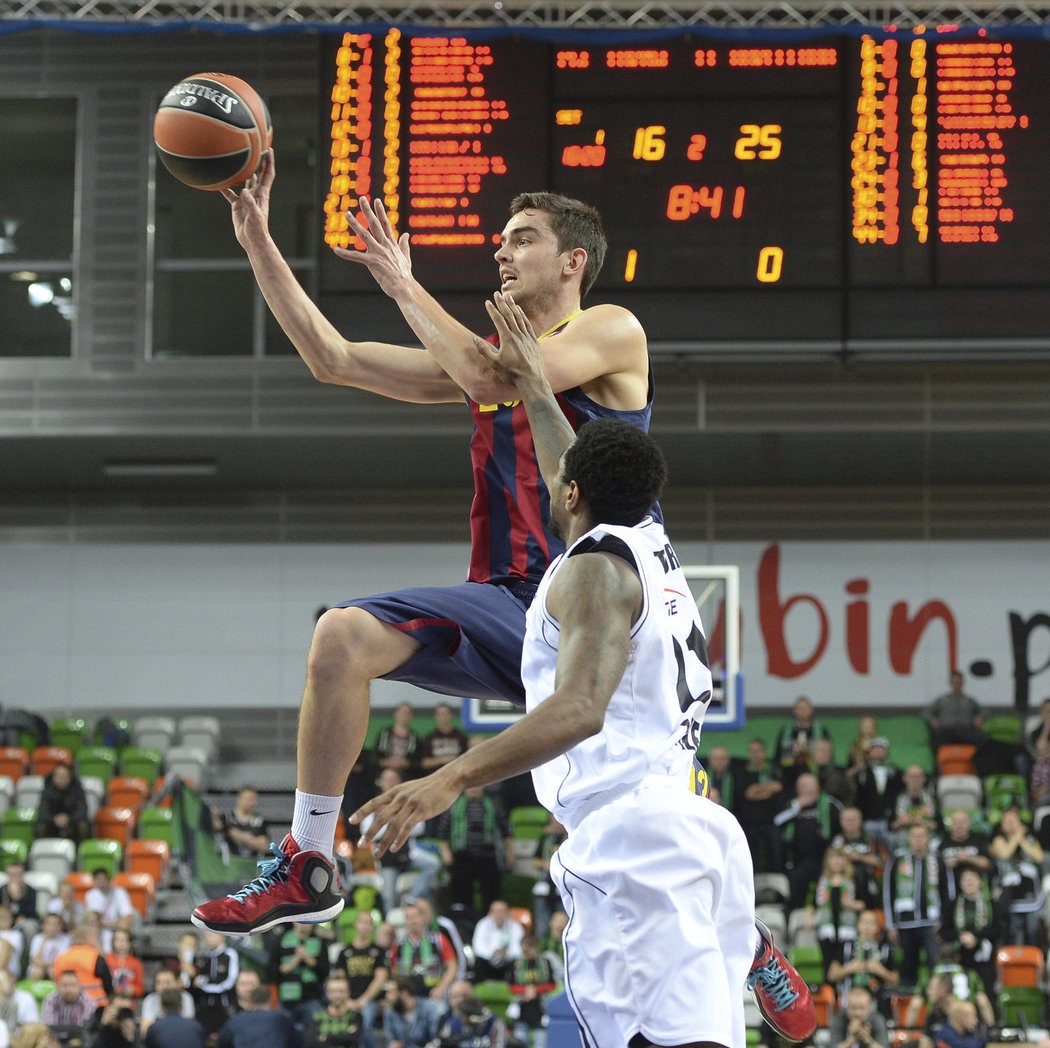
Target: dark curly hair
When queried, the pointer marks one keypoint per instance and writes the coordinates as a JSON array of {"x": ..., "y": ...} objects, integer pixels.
[
  {"x": 575, "y": 224},
  {"x": 619, "y": 470}
]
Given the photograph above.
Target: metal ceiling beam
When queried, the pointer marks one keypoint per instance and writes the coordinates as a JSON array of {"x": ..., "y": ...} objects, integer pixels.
[{"x": 488, "y": 14}]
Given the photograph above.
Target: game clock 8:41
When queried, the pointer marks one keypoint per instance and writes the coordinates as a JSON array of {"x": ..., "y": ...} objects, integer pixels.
[{"x": 718, "y": 192}]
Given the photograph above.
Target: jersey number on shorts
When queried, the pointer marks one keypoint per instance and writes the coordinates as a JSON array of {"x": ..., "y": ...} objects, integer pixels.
[{"x": 696, "y": 647}]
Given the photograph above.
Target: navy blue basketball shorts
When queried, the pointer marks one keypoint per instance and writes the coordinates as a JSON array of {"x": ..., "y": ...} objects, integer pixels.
[{"x": 471, "y": 634}]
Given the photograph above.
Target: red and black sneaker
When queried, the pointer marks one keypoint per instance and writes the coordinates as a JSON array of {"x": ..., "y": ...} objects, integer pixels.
[
  {"x": 783, "y": 997},
  {"x": 292, "y": 887}
]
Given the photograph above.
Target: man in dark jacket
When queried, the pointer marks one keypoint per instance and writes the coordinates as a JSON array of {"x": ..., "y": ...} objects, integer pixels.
[{"x": 260, "y": 1027}]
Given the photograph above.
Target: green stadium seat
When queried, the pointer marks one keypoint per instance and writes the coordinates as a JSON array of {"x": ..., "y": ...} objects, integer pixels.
[
  {"x": 527, "y": 822},
  {"x": 100, "y": 762},
  {"x": 1000, "y": 791},
  {"x": 1015, "y": 1001},
  {"x": 495, "y": 995},
  {"x": 12, "y": 851},
  {"x": 20, "y": 825},
  {"x": 96, "y": 852},
  {"x": 159, "y": 824},
  {"x": 809, "y": 963},
  {"x": 69, "y": 732},
  {"x": 1004, "y": 727},
  {"x": 142, "y": 762},
  {"x": 38, "y": 989}
]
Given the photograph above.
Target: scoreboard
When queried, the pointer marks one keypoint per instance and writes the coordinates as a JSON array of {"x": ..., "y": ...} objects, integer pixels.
[{"x": 881, "y": 189}]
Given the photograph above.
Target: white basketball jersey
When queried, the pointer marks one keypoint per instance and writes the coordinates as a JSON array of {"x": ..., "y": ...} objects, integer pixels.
[{"x": 653, "y": 720}]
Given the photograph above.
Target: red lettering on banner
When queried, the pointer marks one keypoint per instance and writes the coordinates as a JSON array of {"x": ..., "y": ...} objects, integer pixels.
[
  {"x": 858, "y": 629},
  {"x": 905, "y": 632},
  {"x": 772, "y": 614}
]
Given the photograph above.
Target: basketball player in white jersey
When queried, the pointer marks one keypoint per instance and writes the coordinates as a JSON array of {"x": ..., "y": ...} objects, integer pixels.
[{"x": 657, "y": 880}]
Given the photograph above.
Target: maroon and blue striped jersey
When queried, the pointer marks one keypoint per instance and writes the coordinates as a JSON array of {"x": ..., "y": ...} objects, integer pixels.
[{"x": 509, "y": 535}]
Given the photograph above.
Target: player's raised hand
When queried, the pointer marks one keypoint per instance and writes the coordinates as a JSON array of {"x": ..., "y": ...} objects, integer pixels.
[
  {"x": 397, "y": 811},
  {"x": 518, "y": 358},
  {"x": 388, "y": 257},
  {"x": 250, "y": 207}
]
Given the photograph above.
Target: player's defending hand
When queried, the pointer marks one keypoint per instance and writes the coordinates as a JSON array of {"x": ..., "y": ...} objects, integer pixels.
[
  {"x": 387, "y": 257},
  {"x": 250, "y": 208},
  {"x": 518, "y": 359},
  {"x": 397, "y": 811}
]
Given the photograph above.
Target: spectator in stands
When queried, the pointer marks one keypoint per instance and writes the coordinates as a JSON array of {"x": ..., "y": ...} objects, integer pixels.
[
  {"x": 531, "y": 979},
  {"x": 163, "y": 979},
  {"x": 248, "y": 981},
  {"x": 398, "y": 746},
  {"x": 62, "y": 810},
  {"x": 866, "y": 853},
  {"x": 12, "y": 944},
  {"x": 299, "y": 967},
  {"x": 1039, "y": 757},
  {"x": 469, "y": 1022},
  {"x": 1018, "y": 856},
  {"x": 68, "y": 1005},
  {"x": 552, "y": 947},
  {"x": 129, "y": 975},
  {"x": 545, "y": 897},
  {"x": 833, "y": 778},
  {"x": 26, "y": 1009},
  {"x": 21, "y": 899},
  {"x": 172, "y": 1029},
  {"x": 858, "y": 1024},
  {"x": 246, "y": 832},
  {"x": 918, "y": 895},
  {"x": 955, "y": 717},
  {"x": 867, "y": 728},
  {"x": 424, "y": 955},
  {"x": 866, "y": 962},
  {"x": 364, "y": 965},
  {"x": 218, "y": 966},
  {"x": 338, "y": 1023},
  {"x": 806, "y": 826},
  {"x": 439, "y": 922},
  {"x": 9, "y": 1019},
  {"x": 833, "y": 912},
  {"x": 974, "y": 925},
  {"x": 47, "y": 944},
  {"x": 719, "y": 767},
  {"x": 916, "y": 805},
  {"x": 794, "y": 741},
  {"x": 260, "y": 1026},
  {"x": 757, "y": 797},
  {"x": 413, "y": 859},
  {"x": 445, "y": 743},
  {"x": 877, "y": 784},
  {"x": 85, "y": 959},
  {"x": 408, "y": 1021},
  {"x": 961, "y": 1029},
  {"x": 496, "y": 942},
  {"x": 475, "y": 844},
  {"x": 67, "y": 906},
  {"x": 112, "y": 904},
  {"x": 117, "y": 1026},
  {"x": 963, "y": 846},
  {"x": 955, "y": 982},
  {"x": 185, "y": 960}
]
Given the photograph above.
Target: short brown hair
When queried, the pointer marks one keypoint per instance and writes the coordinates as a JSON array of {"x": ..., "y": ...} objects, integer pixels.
[{"x": 575, "y": 224}]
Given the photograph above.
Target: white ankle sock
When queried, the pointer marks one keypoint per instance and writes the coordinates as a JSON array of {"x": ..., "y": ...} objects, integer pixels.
[{"x": 314, "y": 821}]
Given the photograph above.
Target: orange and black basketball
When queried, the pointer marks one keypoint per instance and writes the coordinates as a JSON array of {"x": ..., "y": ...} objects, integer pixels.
[{"x": 212, "y": 130}]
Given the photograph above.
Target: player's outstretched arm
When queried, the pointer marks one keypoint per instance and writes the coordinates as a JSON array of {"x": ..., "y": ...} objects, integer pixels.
[
  {"x": 400, "y": 372},
  {"x": 596, "y": 599},
  {"x": 605, "y": 342}
]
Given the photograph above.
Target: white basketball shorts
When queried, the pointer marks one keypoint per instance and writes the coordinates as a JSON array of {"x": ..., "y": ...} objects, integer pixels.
[{"x": 659, "y": 890}]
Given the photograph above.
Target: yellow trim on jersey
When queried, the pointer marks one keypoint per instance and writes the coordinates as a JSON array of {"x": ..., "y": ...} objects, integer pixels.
[{"x": 559, "y": 325}]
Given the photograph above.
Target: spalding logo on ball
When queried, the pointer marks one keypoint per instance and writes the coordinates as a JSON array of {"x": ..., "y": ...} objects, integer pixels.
[{"x": 212, "y": 130}]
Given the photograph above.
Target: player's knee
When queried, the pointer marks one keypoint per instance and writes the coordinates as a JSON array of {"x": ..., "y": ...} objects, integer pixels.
[{"x": 347, "y": 641}]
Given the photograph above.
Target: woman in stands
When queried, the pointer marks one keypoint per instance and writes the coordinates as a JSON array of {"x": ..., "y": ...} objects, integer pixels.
[
  {"x": 129, "y": 975},
  {"x": 835, "y": 906}
]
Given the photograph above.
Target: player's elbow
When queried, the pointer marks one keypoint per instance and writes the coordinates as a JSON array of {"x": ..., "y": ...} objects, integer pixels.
[{"x": 487, "y": 389}]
